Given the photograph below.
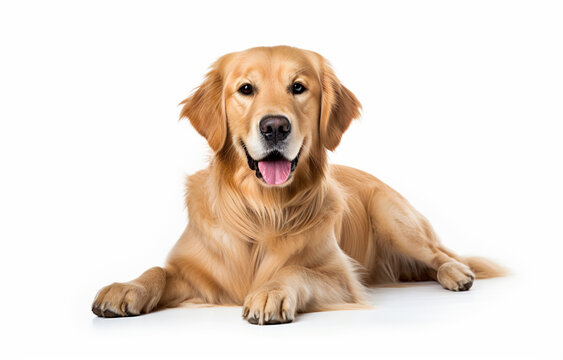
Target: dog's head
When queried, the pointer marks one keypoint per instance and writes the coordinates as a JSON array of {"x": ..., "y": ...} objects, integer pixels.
[{"x": 274, "y": 107}]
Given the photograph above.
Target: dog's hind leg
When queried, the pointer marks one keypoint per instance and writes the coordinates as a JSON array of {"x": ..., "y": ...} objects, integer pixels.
[{"x": 408, "y": 235}]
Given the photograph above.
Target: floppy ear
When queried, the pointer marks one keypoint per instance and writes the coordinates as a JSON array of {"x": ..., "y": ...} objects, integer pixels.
[
  {"x": 338, "y": 108},
  {"x": 205, "y": 109}
]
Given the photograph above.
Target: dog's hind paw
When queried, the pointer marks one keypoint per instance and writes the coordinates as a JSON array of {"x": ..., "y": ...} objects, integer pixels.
[{"x": 455, "y": 276}]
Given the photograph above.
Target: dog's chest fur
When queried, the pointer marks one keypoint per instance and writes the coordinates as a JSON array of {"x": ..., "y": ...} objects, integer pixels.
[{"x": 251, "y": 240}]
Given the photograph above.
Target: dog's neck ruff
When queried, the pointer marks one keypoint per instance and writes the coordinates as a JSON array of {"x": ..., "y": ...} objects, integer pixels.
[{"x": 249, "y": 210}]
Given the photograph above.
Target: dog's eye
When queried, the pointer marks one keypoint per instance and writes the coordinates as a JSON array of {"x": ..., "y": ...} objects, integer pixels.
[
  {"x": 297, "y": 88},
  {"x": 246, "y": 89}
]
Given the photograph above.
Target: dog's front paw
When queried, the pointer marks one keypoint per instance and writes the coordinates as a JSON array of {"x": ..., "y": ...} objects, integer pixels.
[
  {"x": 455, "y": 276},
  {"x": 269, "y": 306},
  {"x": 123, "y": 299}
]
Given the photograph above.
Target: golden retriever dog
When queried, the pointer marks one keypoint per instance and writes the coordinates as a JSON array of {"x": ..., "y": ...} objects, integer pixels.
[{"x": 272, "y": 226}]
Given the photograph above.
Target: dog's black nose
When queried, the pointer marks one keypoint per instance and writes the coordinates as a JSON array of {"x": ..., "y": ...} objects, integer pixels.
[{"x": 275, "y": 127}]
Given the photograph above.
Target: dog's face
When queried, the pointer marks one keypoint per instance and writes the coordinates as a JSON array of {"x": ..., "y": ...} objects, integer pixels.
[{"x": 275, "y": 107}]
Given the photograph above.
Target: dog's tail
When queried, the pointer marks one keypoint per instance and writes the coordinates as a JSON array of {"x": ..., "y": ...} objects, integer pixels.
[{"x": 484, "y": 268}]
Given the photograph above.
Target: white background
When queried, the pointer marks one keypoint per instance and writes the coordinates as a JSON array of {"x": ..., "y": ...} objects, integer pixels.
[{"x": 462, "y": 115}]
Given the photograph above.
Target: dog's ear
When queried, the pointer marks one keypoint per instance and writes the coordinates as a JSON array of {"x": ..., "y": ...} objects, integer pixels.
[
  {"x": 339, "y": 106},
  {"x": 205, "y": 108}
]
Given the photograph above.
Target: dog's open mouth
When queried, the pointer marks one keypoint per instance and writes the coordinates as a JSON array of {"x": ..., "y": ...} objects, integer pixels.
[{"x": 274, "y": 169}]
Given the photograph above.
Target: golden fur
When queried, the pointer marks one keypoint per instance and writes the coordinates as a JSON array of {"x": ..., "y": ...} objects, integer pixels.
[{"x": 311, "y": 244}]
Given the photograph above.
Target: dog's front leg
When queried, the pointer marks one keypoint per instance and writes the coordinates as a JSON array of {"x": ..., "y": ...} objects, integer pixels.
[
  {"x": 296, "y": 289},
  {"x": 156, "y": 287}
]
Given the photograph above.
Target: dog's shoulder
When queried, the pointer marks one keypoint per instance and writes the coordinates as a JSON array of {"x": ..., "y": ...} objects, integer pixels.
[
  {"x": 198, "y": 190},
  {"x": 198, "y": 179}
]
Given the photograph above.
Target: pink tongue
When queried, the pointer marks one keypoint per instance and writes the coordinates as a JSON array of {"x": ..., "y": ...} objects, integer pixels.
[{"x": 275, "y": 172}]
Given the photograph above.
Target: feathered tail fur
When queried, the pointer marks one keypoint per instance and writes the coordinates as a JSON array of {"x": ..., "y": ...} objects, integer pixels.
[{"x": 484, "y": 268}]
